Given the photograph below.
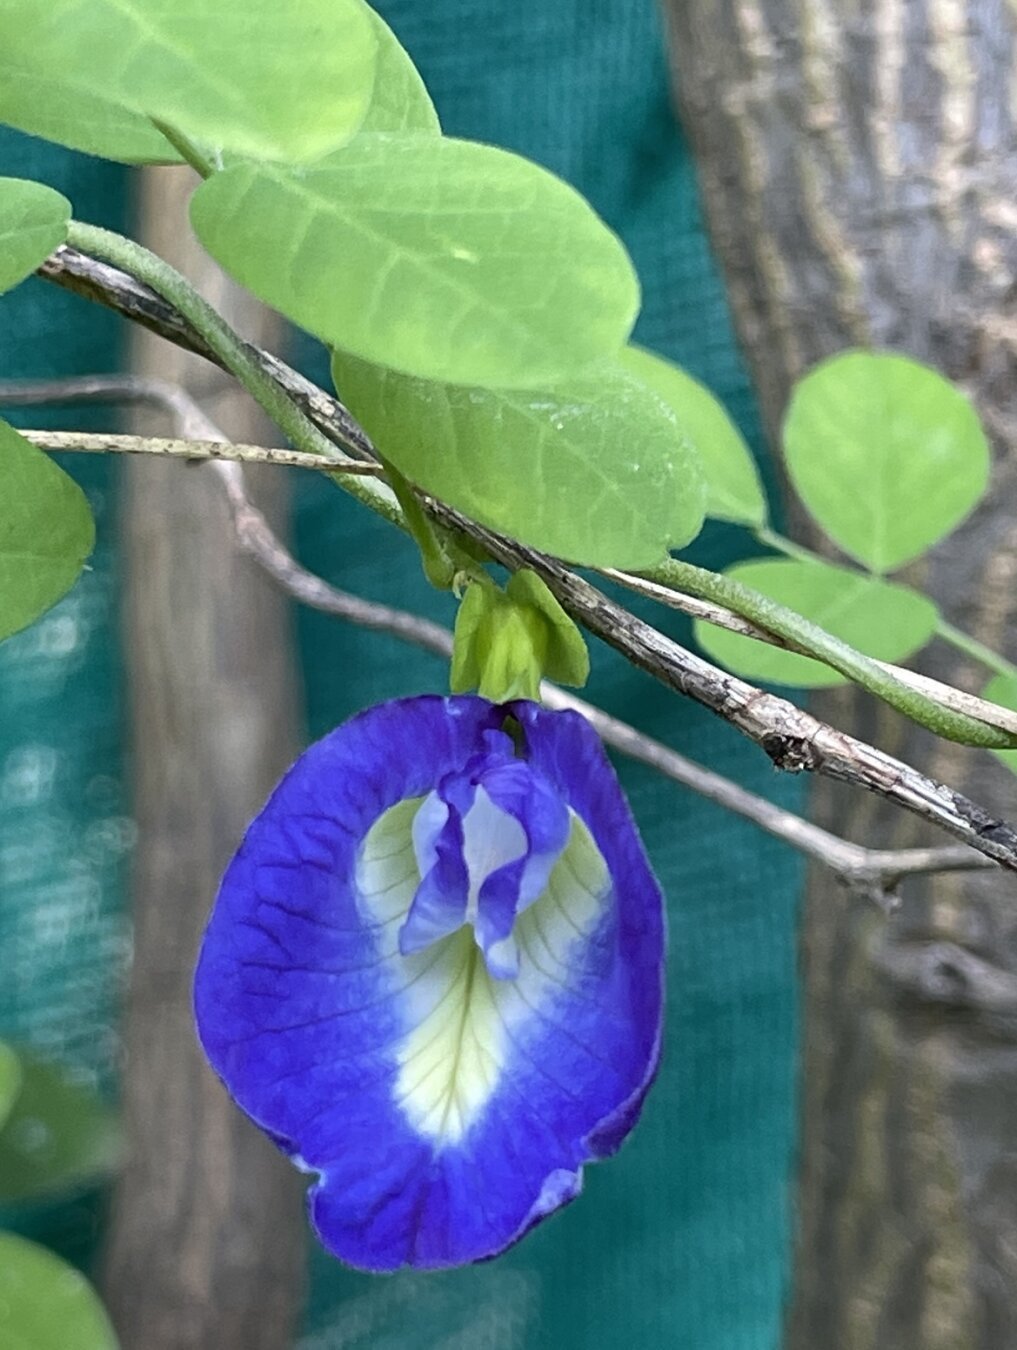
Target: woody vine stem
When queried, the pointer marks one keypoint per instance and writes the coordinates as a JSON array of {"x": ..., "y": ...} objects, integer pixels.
[{"x": 140, "y": 286}]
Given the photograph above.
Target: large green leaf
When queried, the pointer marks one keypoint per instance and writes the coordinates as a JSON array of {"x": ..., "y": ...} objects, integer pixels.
[
  {"x": 33, "y": 221},
  {"x": 440, "y": 258},
  {"x": 596, "y": 470},
  {"x": 35, "y": 100},
  {"x": 733, "y": 489},
  {"x": 58, "y": 1136},
  {"x": 886, "y": 454},
  {"x": 879, "y": 618},
  {"x": 10, "y": 1080},
  {"x": 45, "y": 1304},
  {"x": 46, "y": 532},
  {"x": 1002, "y": 689},
  {"x": 399, "y": 101},
  {"x": 252, "y": 76}
]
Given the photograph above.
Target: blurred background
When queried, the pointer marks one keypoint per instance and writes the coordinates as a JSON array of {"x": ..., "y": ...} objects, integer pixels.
[{"x": 826, "y": 1159}]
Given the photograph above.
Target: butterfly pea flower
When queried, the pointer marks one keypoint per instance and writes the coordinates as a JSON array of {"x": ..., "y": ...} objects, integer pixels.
[{"x": 433, "y": 975}]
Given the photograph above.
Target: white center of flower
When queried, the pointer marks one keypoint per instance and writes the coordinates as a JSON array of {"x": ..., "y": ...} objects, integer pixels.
[{"x": 461, "y": 1026}]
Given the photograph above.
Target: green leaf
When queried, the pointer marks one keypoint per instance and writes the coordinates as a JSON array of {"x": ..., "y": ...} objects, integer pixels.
[
  {"x": 10, "y": 1080},
  {"x": 46, "y": 532},
  {"x": 1002, "y": 689},
  {"x": 35, "y": 100},
  {"x": 733, "y": 489},
  {"x": 33, "y": 222},
  {"x": 886, "y": 454},
  {"x": 252, "y": 76},
  {"x": 439, "y": 258},
  {"x": 880, "y": 619},
  {"x": 400, "y": 101},
  {"x": 58, "y": 1136},
  {"x": 596, "y": 470},
  {"x": 45, "y": 1304}
]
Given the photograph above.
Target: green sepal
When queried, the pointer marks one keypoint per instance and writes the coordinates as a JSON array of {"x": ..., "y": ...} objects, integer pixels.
[
  {"x": 507, "y": 641},
  {"x": 567, "y": 659}
]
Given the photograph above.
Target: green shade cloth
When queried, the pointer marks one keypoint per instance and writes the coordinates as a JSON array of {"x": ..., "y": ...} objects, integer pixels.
[{"x": 683, "y": 1239}]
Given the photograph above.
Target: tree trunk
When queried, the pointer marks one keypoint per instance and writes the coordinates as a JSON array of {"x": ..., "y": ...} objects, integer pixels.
[
  {"x": 858, "y": 160},
  {"x": 206, "y": 1248}
]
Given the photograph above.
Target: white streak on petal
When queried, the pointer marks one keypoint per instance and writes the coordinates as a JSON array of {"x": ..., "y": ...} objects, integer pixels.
[
  {"x": 387, "y": 874},
  {"x": 428, "y": 824},
  {"x": 491, "y": 838}
]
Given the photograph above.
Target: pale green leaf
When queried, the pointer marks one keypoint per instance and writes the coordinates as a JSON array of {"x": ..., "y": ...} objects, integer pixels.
[
  {"x": 10, "y": 1080},
  {"x": 886, "y": 454},
  {"x": 567, "y": 657},
  {"x": 45, "y": 1304},
  {"x": 596, "y": 470},
  {"x": 33, "y": 222},
  {"x": 254, "y": 77},
  {"x": 35, "y": 100},
  {"x": 399, "y": 101},
  {"x": 1002, "y": 689},
  {"x": 46, "y": 532},
  {"x": 439, "y": 258},
  {"x": 58, "y": 1136},
  {"x": 733, "y": 489},
  {"x": 880, "y": 619}
]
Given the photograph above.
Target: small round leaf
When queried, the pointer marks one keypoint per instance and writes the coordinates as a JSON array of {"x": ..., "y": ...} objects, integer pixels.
[
  {"x": 45, "y": 1304},
  {"x": 10, "y": 1080},
  {"x": 33, "y": 222},
  {"x": 1002, "y": 689},
  {"x": 46, "y": 532},
  {"x": 58, "y": 1136},
  {"x": 878, "y": 618},
  {"x": 886, "y": 454}
]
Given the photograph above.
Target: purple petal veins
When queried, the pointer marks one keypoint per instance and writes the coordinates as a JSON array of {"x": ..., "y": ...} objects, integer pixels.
[{"x": 433, "y": 975}]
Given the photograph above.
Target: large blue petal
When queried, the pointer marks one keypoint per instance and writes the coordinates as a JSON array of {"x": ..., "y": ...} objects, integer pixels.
[{"x": 444, "y": 1110}]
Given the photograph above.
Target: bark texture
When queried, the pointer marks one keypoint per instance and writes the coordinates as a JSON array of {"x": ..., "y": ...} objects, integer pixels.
[
  {"x": 206, "y": 1248},
  {"x": 858, "y": 160}
]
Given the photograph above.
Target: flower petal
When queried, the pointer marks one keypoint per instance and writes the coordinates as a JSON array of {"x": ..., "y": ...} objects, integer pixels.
[{"x": 445, "y": 1109}]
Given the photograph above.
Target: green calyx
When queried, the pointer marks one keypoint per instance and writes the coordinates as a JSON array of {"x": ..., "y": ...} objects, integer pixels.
[{"x": 507, "y": 641}]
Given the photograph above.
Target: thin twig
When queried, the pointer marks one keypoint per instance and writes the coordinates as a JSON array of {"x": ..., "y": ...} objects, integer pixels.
[
  {"x": 107, "y": 443},
  {"x": 875, "y": 872},
  {"x": 794, "y": 740}
]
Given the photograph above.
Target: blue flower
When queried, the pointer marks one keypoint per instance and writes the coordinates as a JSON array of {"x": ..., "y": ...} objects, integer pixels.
[{"x": 433, "y": 975}]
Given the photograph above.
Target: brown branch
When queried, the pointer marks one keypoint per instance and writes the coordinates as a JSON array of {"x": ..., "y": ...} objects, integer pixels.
[
  {"x": 794, "y": 740},
  {"x": 874, "y": 872}
]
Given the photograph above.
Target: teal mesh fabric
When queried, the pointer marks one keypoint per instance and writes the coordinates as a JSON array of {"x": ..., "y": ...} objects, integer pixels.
[
  {"x": 63, "y": 828},
  {"x": 682, "y": 1240}
]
